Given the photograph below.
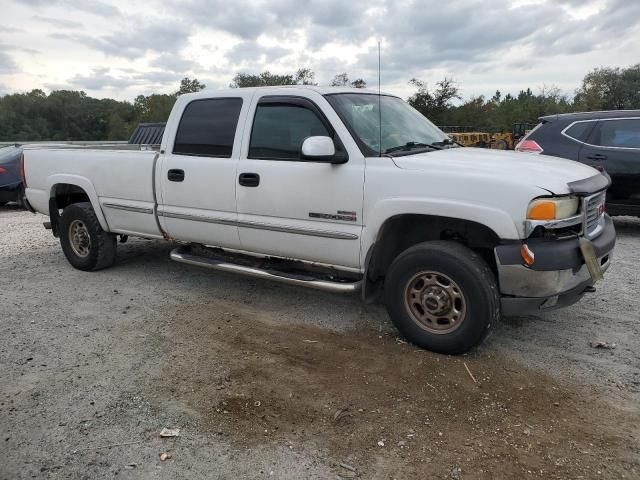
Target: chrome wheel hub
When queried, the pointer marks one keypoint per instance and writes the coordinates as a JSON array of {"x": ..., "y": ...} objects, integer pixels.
[
  {"x": 435, "y": 302},
  {"x": 79, "y": 238}
]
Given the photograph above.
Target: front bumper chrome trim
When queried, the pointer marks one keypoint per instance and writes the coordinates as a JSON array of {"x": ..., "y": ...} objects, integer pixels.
[{"x": 520, "y": 281}]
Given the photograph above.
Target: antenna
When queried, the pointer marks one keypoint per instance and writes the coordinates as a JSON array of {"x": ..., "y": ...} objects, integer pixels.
[{"x": 379, "y": 106}]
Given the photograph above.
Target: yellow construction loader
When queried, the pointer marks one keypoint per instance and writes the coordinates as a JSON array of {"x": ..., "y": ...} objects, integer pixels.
[{"x": 470, "y": 137}]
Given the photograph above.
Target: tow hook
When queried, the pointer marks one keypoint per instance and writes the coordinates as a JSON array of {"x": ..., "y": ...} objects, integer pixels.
[{"x": 590, "y": 289}]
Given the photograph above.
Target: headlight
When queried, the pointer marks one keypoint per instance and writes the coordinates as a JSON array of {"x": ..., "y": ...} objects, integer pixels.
[{"x": 553, "y": 208}]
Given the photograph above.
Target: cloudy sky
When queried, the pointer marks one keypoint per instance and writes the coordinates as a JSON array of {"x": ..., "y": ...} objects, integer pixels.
[{"x": 120, "y": 49}]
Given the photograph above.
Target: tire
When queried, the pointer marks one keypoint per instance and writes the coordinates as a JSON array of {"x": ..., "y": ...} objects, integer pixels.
[
  {"x": 20, "y": 198},
  {"x": 502, "y": 145},
  {"x": 91, "y": 248},
  {"x": 2, "y": 204},
  {"x": 442, "y": 297}
]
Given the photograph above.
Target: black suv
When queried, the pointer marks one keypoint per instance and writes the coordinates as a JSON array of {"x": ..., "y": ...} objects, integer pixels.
[{"x": 605, "y": 140}]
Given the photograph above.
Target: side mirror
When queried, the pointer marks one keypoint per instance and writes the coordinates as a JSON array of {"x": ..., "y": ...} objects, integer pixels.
[{"x": 319, "y": 149}]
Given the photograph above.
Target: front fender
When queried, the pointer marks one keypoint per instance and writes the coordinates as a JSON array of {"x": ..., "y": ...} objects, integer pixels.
[
  {"x": 499, "y": 221},
  {"x": 86, "y": 185}
]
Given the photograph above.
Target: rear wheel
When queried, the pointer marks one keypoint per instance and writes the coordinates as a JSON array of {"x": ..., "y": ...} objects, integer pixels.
[
  {"x": 85, "y": 244},
  {"x": 442, "y": 296}
]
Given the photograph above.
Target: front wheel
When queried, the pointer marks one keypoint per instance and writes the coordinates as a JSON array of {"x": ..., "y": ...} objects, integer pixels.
[
  {"x": 85, "y": 244},
  {"x": 442, "y": 296}
]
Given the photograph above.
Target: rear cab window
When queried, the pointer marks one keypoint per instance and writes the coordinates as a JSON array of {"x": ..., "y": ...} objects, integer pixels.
[{"x": 208, "y": 127}]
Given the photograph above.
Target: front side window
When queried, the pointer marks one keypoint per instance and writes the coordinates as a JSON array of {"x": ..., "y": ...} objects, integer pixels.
[
  {"x": 208, "y": 127},
  {"x": 279, "y": 130},
  {"x": 580, "y": 131},
  {"x": 404, "y": 130},
  {"x": 624, "y": 133}
]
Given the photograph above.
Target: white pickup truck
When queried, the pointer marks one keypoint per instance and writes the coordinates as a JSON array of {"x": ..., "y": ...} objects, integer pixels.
[{"x": 341, "y": 190}]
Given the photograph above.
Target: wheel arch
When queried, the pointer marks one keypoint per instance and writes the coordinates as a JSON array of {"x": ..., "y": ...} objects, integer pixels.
[
  {"x": 402, "y": 231},
  {"x": 67, "y": 189}
]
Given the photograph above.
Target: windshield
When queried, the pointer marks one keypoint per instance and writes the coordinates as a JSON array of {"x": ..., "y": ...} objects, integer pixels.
[{"x": 404, "y": 130}]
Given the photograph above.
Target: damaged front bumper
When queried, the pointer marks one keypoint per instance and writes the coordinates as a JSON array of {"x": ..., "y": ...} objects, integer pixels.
[{"x": 559, "y": 276}]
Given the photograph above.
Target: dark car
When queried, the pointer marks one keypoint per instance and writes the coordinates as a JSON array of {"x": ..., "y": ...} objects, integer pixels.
[
  {"x": 11, "y": 189},
  {"x": 605, "y": 140}
]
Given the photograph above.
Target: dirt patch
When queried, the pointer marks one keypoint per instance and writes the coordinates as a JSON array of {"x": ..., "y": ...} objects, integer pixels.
[{"x": 384, "y": 407}]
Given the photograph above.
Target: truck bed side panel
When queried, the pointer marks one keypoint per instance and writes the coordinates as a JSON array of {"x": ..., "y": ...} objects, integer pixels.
[{"x": 120, "y": 182}]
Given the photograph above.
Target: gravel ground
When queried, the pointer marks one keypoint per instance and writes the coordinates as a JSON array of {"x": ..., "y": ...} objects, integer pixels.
[{"x": 272, "y": 381}]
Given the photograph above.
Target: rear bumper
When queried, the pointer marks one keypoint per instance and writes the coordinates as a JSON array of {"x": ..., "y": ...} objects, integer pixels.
[{"x": 559, "y": 276}]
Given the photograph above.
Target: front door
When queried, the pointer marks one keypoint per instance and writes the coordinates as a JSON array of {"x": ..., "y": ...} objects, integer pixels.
[
  {"x": 288, "y": 207},
  {"x": 198, "y": 172}
]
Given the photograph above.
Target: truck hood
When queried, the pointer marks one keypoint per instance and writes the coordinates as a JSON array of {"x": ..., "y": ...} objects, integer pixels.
[{"x": 546, "y": 172}]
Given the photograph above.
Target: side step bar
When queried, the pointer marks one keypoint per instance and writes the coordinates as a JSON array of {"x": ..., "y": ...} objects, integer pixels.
[{"x": 183, "y": 255}]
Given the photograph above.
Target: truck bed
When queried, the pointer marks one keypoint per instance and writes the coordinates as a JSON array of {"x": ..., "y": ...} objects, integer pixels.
[{"x": 119, "y": 175}]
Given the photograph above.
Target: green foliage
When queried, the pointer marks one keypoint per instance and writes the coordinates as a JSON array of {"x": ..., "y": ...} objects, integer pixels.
[
  {"x": 157, "y": 107},
  {"x": 190, "y": 86},
  {"x": 63, "y": 115},
  {"x": 601, "y": 89},
  {"x": 610, "y": 89},
  {"x": 500, "y": 113},
  {"x": 342, "y": 80},
  {"x": 434, "y": 104},
  {"x": 303, "y": 76},
  {"x": 153, "y": 108},
  {"x": 72, "y": 115}
]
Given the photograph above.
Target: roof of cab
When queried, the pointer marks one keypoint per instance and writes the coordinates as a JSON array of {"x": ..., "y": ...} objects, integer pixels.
[
  {"x": 280, "y": 88},
  {"x": 592, "y": 115}
]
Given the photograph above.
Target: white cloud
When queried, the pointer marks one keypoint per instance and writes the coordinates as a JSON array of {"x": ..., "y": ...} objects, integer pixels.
[
  {"x": 119, "y": 48},
  {"x": 7, "y": 64}
]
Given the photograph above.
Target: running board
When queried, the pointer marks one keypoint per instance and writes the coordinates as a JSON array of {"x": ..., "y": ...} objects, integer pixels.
[{"x": 183, "y": 255}]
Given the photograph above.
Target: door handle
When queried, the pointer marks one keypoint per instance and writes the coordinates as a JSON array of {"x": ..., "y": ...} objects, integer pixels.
[
  {"x": 597, "y": 156},
  {"x": 249, "y": 179},
  {"x": 175, "y": 175}
]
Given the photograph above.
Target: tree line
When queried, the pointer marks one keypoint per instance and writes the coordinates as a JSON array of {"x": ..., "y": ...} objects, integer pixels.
[
  {"x": 600, "y": 89},
  {"x": 73, "y": 115}
]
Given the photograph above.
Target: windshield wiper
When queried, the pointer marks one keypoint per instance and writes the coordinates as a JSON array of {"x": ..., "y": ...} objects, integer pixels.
[{"x": 411, "y": 146}]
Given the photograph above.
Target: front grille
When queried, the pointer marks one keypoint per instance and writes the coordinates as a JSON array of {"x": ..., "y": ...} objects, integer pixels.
[{"x": 593, "y": 211}]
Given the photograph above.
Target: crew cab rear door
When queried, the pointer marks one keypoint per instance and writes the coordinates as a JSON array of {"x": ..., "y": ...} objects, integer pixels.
[
  {"x": 290, "y": 207},
  {"x": 198, "y": 170}
]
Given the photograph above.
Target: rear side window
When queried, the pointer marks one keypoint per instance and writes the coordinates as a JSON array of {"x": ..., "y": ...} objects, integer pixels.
[
  {"x": 279, "y": 130},
  {"x": 207, "y": 127},
  {"x": 624, "y": 133},
  {"x": 580, "y": 131}
]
